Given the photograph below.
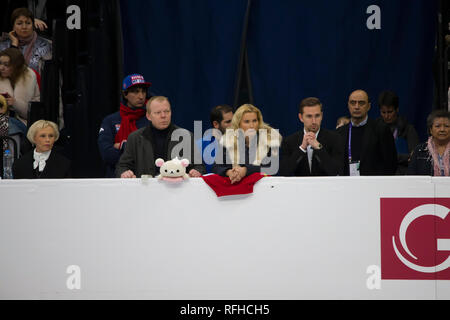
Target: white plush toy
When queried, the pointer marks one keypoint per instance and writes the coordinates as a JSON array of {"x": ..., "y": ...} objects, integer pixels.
[{"x": 173, "y": 170}]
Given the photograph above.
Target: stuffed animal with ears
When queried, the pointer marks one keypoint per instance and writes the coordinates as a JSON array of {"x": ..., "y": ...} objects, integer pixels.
[{"x": 173, "y": 170}]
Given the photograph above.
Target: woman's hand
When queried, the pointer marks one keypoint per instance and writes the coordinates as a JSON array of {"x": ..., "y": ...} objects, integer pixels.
[
  {"x": 13, "y": 37},
  {"x": 241, "y": 172},
  {"x": 231, "y": 173},
  {"x": 10, "y": 100},
  {"x": 39, "y": 24},
  {"x": 236, "y": 174}
]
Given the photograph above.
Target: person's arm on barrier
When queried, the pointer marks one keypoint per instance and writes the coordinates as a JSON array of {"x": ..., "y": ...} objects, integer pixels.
[
  {"x": 126, "y": 167},
  {"x": 195, "y": 170}
]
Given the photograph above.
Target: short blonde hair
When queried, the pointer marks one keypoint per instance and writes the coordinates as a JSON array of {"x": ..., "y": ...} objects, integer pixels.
[
  {"x": 39, "y": 125},
  {"x": 157, "y": 98}
]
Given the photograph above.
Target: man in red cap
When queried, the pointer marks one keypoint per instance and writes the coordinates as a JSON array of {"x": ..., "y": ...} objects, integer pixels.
[{"x": 116, "y": 127}]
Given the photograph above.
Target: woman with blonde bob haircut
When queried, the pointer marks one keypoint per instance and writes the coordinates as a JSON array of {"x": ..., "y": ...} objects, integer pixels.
[
  {"x": 42, "y": 162},
  {"x": 249, "y": 146}
]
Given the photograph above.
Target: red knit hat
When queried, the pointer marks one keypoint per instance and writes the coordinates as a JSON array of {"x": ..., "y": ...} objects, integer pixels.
[{"x": 223, "y": 187}]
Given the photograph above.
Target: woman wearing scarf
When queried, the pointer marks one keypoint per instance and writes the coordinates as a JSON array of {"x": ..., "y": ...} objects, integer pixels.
[
  {"x": 42, "y": 162},
  {"x": 433, "y": 157},
  {"x": 23, "y": 37},
  {"x": 18, "y": 83}
]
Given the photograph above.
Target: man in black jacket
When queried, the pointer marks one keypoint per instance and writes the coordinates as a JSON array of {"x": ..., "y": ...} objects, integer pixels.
[
  {"x": 369, "y": 147},
  {"x": 313, "y": 151},
  {"x": 160, "y": 139},
  {"x": 405, "y": 136}
]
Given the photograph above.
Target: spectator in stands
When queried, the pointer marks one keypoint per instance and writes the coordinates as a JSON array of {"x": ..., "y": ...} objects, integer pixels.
[
  {"x": 249, "y": 147},
  {"x": 369, "y": 147},
  {"x": 342, "y": 121},
  {"x": 116, "y": 127},
  {"x": 158, "y": 140},
  {"x": 405, "y": 136},
  {"x": 220, "y": 117},
  {"x": 4, "y": 123},
  {"x": 23, "y": 37},
  {"x": 44, "y": 11},
  {"x": 18, "y": 83},
  {"x": 42, "y": 162},
  {"x": 313, "y": 151},
  {"x": 433, "y": 157},
  {"x": 10, "y": 127}
]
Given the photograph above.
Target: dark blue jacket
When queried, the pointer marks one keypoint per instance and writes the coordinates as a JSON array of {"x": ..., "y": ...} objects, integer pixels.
[
  {"x": 210, "y": 156},
  {"x": 108, "y": 130}
]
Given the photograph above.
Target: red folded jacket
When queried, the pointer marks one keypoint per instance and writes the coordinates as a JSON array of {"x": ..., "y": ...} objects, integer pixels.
[{"x": 223, "y": 187}]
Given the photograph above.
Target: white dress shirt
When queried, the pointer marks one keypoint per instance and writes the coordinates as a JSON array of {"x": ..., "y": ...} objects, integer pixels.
[{"x": 40, "y": 159}]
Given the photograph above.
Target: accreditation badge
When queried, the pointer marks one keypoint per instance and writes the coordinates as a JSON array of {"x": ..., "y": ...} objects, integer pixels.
[{"x": 354, "y": 169}]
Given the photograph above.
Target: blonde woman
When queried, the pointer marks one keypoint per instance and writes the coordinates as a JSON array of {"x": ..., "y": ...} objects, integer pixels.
[
  {"x": 248, "y": 147},
  {"x": 42, "y": 162}
]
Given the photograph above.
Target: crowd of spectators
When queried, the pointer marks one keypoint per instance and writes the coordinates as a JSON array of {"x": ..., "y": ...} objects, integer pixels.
[{"x": 240, "y": 143}]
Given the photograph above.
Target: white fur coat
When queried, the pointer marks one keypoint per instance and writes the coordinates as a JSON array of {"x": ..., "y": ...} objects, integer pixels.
[
  {"x": 271, "y": 140},
  {"x": 25, "y": 90}
]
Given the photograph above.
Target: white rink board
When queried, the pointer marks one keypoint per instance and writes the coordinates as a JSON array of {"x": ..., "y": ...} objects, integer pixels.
[{"x": 293, "y": 238}]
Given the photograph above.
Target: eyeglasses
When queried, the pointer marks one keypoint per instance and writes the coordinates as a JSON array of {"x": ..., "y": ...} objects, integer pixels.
[{"x": 353, "y": 103}]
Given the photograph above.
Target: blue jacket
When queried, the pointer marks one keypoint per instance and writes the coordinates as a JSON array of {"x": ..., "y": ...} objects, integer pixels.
[
  {"x": 16, "y": 126},
  {"x": 108, "y": 130},
  {"x": 209, "y": 155}
]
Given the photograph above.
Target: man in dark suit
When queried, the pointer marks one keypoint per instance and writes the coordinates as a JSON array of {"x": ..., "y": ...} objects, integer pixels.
[
  {"x": 313, "y": 151},
  {"x": 369, "y": 144}
]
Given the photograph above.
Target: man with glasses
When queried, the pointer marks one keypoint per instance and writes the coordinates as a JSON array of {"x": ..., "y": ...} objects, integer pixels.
[
  {"x": 157, "y": 140},
  {"x": 369, "y": 147}
]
